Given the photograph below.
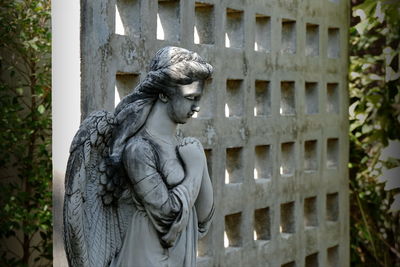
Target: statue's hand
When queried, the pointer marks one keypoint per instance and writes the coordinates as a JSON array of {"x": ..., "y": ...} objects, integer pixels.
[{"x": 191, "y": 152}]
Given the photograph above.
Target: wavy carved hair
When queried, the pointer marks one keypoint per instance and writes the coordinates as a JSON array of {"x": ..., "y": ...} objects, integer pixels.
[{"x": 170, "y": 67}]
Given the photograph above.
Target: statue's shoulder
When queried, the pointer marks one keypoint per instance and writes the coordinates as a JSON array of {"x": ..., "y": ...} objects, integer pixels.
[{"x": 140, "y": 145}]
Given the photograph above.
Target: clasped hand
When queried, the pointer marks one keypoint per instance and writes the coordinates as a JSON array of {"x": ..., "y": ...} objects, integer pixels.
[{"x": 192, "y": 153}]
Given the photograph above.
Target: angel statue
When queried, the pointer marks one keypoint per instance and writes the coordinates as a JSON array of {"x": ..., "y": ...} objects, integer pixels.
[{"x": 136, "y": 194}]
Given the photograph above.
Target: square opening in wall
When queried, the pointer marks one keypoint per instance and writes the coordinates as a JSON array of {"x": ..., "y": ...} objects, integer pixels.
[
  {"x": 127, "y": 17},
  {"x": 288, "y": 42},
  {"x": 332, "y": 95},
  {"x": 207, "y": 102},
  {"x": 262, "y": 224},
  {"x": 234, "y": 165},
  {"x": 234, "y": 98},
  {"x": 124, "y": 85},
  {"x": 312, "y": 260},
  {"x": 312, "y": 40},
  {"x": 332, "y": 207},
  {"x": 333, "y": 43},
  {"x": 333, "y": 256},
  {"x": 204, "y": 24},
  {"x": 287, "y": 225},
  {"x": 262, "y": 40},
  {"x": 310, "y": 212},
  {"x": 263, "y": 162},
  {"x": 287, "y": 159},
  {"x": 310, "y": 156},
  {"x": 312, "y": 102},
  {"x": 332, "y": 151},
  {"x": 234, "y": 29},
  {"x": 288, "y": 106},
  {"x": 263, "y": 98},
  {"x": 168, "y": 20},
  {"x": 232, "y": 234},
  {"x": 289, "y": 264},
  {"x": 208, "y": 153}
]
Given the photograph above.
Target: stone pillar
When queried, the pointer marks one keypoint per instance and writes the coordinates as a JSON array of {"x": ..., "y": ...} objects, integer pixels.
[{"x": 65, "y": 106}]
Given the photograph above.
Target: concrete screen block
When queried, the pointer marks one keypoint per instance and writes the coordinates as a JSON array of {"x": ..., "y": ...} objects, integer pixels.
[
  {"x": 263, "y": 98},
  {"x": 289, "y": 264},
  {"x": 168, "y": 20},
  {"x": 287, "y": 167},
  {"x": 262, "y": 224},
  {"x": 234, "y": 29},
  {"x": 204, "y": 24},
  {"x": 333, "y": 256},
  {"x": 312, "y": 100},
  {"x": 232, "y": 230},
  {"x": 287, "y": 225},
  {"x": 262, "y": 163},
  {"x": 234, "y": 106},
  {"x": 332, "y": 207},
  {"x": 288, "y": 98},
  {"x": 234, "y": 165},
  {"x": 272, "y": 119},
  {"x": 124, "y": 84},
  {"x": 312, "y": 39},
  {"x": 288, "y": 40},
  {"x": 333, "y": 42},
  {"x": 312, "y": 260},
  {"x": 127, "y": 17},
  {"x": 310, "y": 212},
  {"x": 310, "y": 156},
  {"x": 332, "y": 95},
  {"x": 262, "y": 40}
]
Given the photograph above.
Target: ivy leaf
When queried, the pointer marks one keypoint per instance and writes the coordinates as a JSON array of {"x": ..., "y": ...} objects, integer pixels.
[
  {"x": 374, "y": 99},
  {"x": 366, "y": 128},
  {"x": 391, "y": 177},
  {"x": 368, "y": 6},
  {"x": 41, "y": 109},
  {"x": 395, "y": 204},
  {"x": 20, "y": 91},
  {"x": 360, "y": 27},
  {"x": 391, "y": 151},
  {"x": 391, "y": 75},
  {"x": 375, "y": 77}
]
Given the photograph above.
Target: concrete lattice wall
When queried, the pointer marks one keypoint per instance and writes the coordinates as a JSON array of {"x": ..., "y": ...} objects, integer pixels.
[{"x": 273, "y": 119}]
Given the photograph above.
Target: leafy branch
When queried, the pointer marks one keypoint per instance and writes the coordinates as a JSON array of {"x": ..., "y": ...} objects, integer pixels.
[
  {"x": 25, "y": 133},
  {"x": 374, "y": 126}
]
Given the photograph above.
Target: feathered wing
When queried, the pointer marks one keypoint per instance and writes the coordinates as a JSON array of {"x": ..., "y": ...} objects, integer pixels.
[{"x": 96, "y": 210}]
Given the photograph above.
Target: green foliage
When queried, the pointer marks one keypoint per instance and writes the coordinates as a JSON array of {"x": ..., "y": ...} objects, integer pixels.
[
  {"x": 374, "y": 123},
  {"x": 25, "y": 133}
]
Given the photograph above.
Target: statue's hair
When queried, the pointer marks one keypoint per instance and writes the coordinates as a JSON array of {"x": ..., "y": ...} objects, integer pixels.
[{"x": 170, "y": 67}]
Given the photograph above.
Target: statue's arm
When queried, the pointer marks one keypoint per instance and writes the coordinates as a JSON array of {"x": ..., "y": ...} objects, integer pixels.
[
  {"x": 168, "y": 209},
  {"x": 192, "y": 154},
  {"x": 205, "y": 200}
]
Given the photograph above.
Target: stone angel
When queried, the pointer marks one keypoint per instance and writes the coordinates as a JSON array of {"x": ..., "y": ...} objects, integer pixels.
[{"x": 135, "y": 193}]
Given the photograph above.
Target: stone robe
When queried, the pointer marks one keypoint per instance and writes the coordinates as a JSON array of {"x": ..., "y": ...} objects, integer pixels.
[{"x": 164, "y": 228}]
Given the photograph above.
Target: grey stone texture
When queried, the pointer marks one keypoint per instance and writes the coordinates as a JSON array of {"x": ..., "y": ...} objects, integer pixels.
[{"x": 273, "y": 119}]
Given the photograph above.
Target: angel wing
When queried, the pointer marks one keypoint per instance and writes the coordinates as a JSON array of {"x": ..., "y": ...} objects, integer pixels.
[{"x": 94, "y": 219}]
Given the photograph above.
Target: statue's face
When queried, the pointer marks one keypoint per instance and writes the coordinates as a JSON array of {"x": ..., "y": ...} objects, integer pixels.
[{"x": 185, "y": 102}]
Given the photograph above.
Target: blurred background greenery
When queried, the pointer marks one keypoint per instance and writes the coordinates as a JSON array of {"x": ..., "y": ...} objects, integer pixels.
[
  {"x": 374, "y": 113},
  {"x": 25, "y": 133}
]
